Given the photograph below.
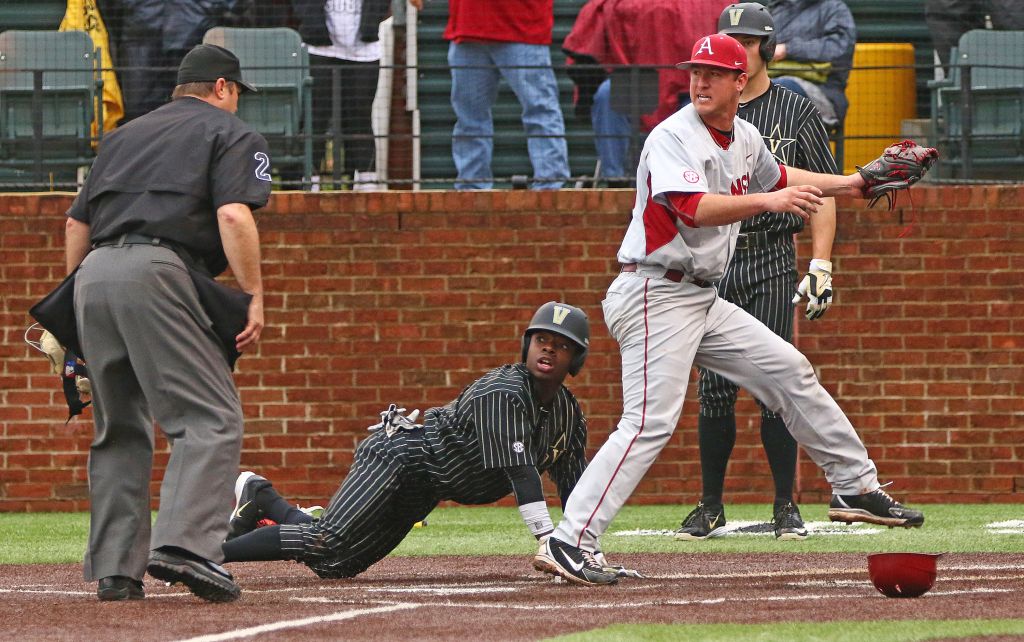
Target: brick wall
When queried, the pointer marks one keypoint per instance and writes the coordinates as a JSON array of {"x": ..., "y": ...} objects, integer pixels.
[{"x": 407, "y": 297}]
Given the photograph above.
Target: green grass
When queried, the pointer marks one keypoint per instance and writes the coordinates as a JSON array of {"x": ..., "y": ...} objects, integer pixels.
[
  {"x": 36, "y": 538},
  {"x": 891, "y": 631}
]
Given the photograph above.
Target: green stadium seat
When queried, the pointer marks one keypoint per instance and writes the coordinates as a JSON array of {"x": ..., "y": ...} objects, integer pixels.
[
  {"x": 994, "y": 139},
  {"x": 48, "y": 91},
  {"x": 277, "y": 62}
]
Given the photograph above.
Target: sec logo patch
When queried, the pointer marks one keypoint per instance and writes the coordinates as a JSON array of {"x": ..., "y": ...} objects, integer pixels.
[{"x": 691, "y": 176}]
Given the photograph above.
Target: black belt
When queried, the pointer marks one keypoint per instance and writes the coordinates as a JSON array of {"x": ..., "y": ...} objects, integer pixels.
[
  {"x": 128, "y": 239},
  {"x": 677, "y": 276},
  {"x": 747, "y": 240}
]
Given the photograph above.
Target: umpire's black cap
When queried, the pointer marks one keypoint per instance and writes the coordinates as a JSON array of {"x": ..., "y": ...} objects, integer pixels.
[{"x": 207, "y": 63}]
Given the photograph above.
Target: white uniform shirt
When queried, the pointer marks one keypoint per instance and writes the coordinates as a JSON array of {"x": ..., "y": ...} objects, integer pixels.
[
  {"x": 681, "y": 156},
  {"x": 343, "y": 24}
]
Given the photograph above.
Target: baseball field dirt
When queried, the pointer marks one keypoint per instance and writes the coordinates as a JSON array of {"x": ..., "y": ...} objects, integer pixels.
[{"x": 501, "y": 598}]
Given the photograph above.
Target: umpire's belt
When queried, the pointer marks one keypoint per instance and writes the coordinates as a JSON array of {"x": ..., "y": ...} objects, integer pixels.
[
  {"x": 673, "y": 275},
  {"x": 748, "y": 240},
  {"x": 128, "y": 239}
]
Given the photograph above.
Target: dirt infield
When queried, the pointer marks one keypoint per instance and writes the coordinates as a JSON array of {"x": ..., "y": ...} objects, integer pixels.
[{"x": 500, "y": 598}]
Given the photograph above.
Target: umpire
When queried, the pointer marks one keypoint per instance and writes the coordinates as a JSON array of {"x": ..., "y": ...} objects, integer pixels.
[
  {"x": 496, "y": 437},
  {"x": 762, "y": 276},
  {"x": 178, "y": 184}
]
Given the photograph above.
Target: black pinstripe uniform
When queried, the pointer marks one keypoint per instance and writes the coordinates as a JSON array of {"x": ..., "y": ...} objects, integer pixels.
[
  {"x": 762, "y": 276},
  {"x": 460, "y": 454}
]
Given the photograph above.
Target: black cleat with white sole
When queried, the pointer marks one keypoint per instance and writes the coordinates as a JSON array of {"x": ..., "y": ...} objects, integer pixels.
[
  {"x": 875, "y": 507},
  {"x": 574, "y": 564}
]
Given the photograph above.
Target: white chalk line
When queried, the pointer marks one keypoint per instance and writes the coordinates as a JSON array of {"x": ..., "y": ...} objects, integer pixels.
[
  {"x": 298, "y": 623},
  {"x": 593, "y": 604},
  {"x": 508, "y": 585}
]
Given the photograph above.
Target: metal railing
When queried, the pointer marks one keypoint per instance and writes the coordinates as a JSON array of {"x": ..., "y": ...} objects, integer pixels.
[{"x": 419, "y": 140}]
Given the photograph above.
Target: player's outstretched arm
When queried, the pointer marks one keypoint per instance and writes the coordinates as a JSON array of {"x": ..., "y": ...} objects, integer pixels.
[
  {"x": 529, "y": 493},
  {"x": 829, "y": 184},
  {"x": 719, "y": 209}
]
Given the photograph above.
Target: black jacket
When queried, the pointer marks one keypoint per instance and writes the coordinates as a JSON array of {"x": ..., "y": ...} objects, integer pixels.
[{"x": 313, "y": 24}]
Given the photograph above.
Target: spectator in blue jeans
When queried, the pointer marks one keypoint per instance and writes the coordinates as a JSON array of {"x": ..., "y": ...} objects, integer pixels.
[{"x": 508, "y": 39}]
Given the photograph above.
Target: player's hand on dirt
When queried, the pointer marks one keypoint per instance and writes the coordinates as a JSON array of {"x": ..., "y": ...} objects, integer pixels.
[
  {"x": 802, "y": 200},
  {"x": 618, "y": 569},
  {"x": 254, "y": 325},
  {"x": 817, "y": 287}
]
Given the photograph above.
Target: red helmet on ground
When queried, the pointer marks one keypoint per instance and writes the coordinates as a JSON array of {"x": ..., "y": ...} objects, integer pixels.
[
  {"x": 717, "y": 50},
  {"x": 903, "y": 574}
]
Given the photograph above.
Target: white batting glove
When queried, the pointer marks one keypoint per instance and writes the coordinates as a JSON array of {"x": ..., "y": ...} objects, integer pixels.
[
  {"x": 817, "y": 287},
  {"x": 393, "y": 419}
]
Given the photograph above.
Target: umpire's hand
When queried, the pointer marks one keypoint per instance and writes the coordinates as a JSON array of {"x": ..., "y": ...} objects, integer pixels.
[
  {"x": 254, "y": 325},
  {"x": 817, "y": 287}
]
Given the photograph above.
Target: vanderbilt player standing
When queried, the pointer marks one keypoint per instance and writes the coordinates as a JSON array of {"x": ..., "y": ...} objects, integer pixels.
[{"x": 761, "y": 277}]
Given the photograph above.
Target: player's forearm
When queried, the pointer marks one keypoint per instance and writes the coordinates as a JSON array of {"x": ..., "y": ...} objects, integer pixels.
[
  {"x": 829, "y": 184},
  {"x": 529, "y": 492},
  {"x": 76, "y": 243},
  {"x": 823, "y": 230},
  {"x": 717, "y": 209},
  {"x": 241, "y": 243}
]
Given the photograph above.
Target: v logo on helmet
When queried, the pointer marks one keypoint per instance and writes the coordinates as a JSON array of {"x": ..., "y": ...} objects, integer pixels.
[
  {"x": 705, "y": 46},
  {"x": 734, "y": 16},
  {"x": 559, "y": 314}
]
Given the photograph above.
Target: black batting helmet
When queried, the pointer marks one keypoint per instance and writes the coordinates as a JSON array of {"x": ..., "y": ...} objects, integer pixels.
[
  {"x": 750, "y": 19},
  {"x": 566, "y": 320}
]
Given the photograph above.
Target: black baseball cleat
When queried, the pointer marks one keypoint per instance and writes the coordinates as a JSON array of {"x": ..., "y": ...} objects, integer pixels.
[
  {"x": 246, "y": 513},
  {"x": 875, "y": 507},
  {"x": 702, "y": 523},
  {"x": 205, "y": 579},
  {"x": 574, "y": 564},
  {"x": 787, "y": 522},
  {"x": 118, "y": 587}
]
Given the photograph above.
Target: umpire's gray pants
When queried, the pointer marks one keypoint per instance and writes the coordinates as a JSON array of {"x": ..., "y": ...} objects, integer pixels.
[{"x": 152, "y": 356}]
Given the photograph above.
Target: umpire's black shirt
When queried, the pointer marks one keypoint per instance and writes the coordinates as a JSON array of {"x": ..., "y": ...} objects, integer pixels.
[{"x": 166, "y": 173}]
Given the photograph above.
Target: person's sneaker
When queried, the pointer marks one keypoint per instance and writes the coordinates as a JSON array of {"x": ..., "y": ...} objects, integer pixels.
[
  {"x": 316, "y": 512},
  {"x": 117, "y": 587},
  {"x": 574, "y": 564},
  {"x": 204, "y": 578},
  {"x": 246, "y": 514},
  {"x": 876, "y": 507},
  {"x": 787, "y": 522},
  {"x": 702, "y": 522}
]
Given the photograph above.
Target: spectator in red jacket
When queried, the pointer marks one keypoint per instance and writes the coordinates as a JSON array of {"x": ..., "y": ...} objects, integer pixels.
[{"x": 609, "y": 34}]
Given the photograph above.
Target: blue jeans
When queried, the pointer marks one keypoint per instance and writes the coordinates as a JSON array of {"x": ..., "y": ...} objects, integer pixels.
[
  {"x": 612, "y": 132},
  {"x": 476, "y": 70}
]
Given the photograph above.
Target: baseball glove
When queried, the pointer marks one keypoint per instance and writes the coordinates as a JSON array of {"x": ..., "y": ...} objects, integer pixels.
[{"x": 900, "y": 166}]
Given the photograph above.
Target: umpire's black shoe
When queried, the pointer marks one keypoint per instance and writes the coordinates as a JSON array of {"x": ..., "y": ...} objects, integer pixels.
[
  {"x": 876, "y": 507},
  {"x": 204, "y": 578},
  {"x": 574, "y": 564},
  {"x": 246, "y": 513},
  {"x": 787, "y": 522},
  {"x": 117, "y": 587},
  {"x": 702, "y": 522}
]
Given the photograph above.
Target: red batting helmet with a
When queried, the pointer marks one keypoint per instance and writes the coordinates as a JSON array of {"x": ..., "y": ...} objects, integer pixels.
[{"x": 717, "y": 50}]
